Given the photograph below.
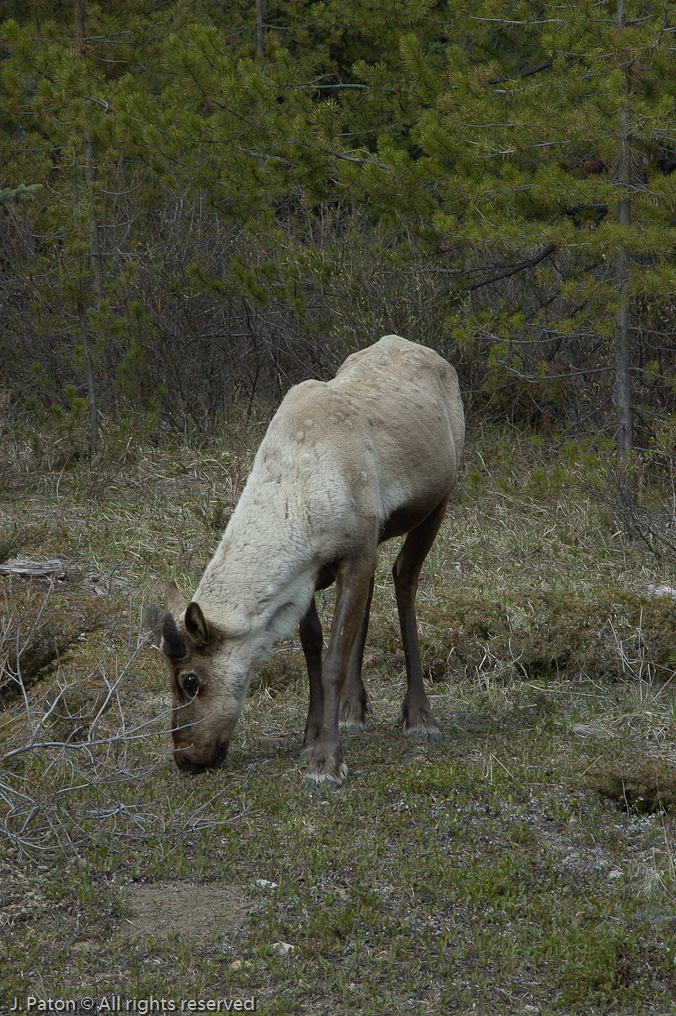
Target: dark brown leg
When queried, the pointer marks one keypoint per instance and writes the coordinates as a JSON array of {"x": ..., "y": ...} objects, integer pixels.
[
  {"x": 311, "y": 640},
  {"x": 416, "y": 717},
  {"x": 354, "y": 703},
  {"x": 352, "y": 590}
]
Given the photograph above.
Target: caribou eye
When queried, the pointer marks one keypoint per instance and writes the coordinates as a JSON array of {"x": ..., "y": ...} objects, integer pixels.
[{"x": 190, "y": 684}]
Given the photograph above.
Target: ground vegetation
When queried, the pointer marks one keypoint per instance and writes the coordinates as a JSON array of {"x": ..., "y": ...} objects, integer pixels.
[{"x": 524, "y": 864}]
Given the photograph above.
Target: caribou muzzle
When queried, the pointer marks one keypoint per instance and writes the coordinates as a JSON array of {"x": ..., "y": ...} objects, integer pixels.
[{"x": 190, "y": 761}]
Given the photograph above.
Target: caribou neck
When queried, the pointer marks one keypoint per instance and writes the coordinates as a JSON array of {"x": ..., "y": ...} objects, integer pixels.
[{"x": 262, "y": 574}]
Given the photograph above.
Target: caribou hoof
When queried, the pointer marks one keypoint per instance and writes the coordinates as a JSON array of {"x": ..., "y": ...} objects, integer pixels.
[
  {"x": 420, "y": 734},
  {"x": 331, "y": 781},
  {"x": 420, "y": 728},
  {"x": 353, "y": 715},
  {"x": 352, "y": 728}
]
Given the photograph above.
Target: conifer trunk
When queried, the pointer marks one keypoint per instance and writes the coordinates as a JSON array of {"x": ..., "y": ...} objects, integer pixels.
[
  {"x": 95, "y": 259},
  {"x": 623, "y": 386},
  {"x": 259, "y": 27}
]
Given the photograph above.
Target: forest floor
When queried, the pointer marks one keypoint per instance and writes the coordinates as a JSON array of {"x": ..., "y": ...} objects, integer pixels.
[{"x": 525, "y": 864}]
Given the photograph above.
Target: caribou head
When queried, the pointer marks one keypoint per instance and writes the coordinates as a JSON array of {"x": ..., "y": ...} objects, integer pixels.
[{"x": 209, "y": 675}]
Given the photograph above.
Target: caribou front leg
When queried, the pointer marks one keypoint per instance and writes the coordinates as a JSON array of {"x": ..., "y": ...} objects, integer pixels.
[{"x": 353, "y": 582}]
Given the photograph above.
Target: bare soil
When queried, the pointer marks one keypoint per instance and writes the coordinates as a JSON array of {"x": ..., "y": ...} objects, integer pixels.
[{"x": 195, "y": 910}]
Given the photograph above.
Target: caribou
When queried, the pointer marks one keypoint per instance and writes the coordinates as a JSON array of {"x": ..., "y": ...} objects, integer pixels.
[{"x": 344, "y": 465}]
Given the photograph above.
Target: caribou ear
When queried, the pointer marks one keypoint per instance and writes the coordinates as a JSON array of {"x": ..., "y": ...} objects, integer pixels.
[
  {"x": 197, "y": 625},
  {"x": 176, "y": 601}
]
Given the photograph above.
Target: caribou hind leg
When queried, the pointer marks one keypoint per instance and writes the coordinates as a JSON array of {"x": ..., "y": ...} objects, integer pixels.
[
  {"x": 354, "y": 704},
  {"x": 416, "y": 717},
  {"x": 311, "y": 640},
  {"x": 353, "y": 581}
]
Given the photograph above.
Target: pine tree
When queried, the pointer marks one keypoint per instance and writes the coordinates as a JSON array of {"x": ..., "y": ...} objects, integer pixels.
[
  {"x": 544, "y": 146},
  {"x": 61, "y": 133},
  {"x": 519, "y": 151}
]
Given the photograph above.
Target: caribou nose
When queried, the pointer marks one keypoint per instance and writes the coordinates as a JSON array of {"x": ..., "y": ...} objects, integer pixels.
[{"x": 190, "y": 764}]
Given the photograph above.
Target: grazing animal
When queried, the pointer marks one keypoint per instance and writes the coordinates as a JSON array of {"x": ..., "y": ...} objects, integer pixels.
[{"x": 344, "y": 465}]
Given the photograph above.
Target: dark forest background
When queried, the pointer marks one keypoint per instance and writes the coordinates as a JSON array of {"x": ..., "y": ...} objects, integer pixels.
[{"x": 203, "y": 203}]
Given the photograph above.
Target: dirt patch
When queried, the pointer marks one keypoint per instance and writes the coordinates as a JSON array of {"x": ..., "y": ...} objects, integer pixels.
[{"x": 194, "y": 910}]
